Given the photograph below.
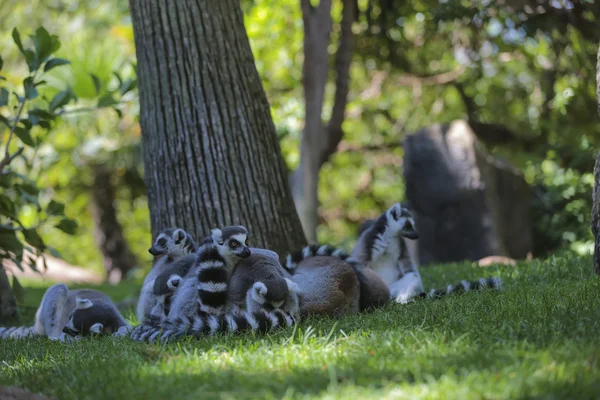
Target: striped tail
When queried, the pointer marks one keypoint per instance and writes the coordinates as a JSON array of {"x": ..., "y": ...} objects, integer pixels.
[
  {"x": 17, "y": 332},
  {"x": 464, "y": 287},
  {"x": 212, "y": 279},
  {"x": 207, "y": 325},
  {"x": 315, "y": 250}
]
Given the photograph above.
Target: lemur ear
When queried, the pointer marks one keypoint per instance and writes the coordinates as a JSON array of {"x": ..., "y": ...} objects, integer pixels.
[
  {"x": 83, "y": 304},
  {"x": 292, "y": 286},
  {"x": 178, "y": 235},
  {"x": 97, "y": 328},
  {"x": 395, "y": 212},
  {"x": 217, "y": 235}
]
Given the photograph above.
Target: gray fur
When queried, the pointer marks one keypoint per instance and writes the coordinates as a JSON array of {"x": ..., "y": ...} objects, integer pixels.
[
  {"x": 58, "y": 307},
  {"x": 169, "y": 246}
]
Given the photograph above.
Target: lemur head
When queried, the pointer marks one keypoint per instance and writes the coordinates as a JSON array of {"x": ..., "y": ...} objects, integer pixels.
[
  {"x": 89, "y": 318},
  {"x": 173, "y": 243},
  {"x": 232, "y": 241},
  {"x": 400, "y": 218}
]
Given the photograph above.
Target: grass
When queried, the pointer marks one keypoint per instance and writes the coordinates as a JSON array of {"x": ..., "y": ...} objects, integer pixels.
[{"x": 539, "y": 338}]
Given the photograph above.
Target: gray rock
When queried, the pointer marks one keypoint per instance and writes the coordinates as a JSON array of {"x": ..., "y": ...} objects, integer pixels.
[{"x": 467, "y": 204}]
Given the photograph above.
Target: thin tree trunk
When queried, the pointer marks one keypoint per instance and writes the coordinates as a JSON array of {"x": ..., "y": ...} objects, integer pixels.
[
  {"x": 595, "y": 221},
  {"x": 8, "y": 304},
  {"x": 319, "y": 142},
  {"x": 211, "y": 154},
  {"x": 118, "y": 258}
]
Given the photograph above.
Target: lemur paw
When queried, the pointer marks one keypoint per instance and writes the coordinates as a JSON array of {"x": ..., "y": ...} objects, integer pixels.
[
  {"x": 259, "y": 292},
  {"x": 174, "y": 282}
]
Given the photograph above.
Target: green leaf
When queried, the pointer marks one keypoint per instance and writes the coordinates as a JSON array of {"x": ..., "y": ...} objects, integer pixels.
[
  {"x": 7, "y": 207},
  {"x": 10, "y": 242},
  {"x": 30, "y": 188},
  {"x": 128, "y": 86},
  {"x": 106, "y": 101},
  {"x": 37, "y": 115},
  {"x": 34, "y": 239},
  {"x": 18, "y": 290},
  {"x": 115, "y": 73},
  {"x": 3, "y": 97},
  {"x": 61, "y": 99},
  {"x": 45, "y": 44},
  {"x": 119, "y": 112},
  {"x": 67, "y": 225},
  {"x": 55, "y": 62},
  {"x": 96, "y": 83},
  {"x": 6, "y": 180},
  {"x": 1, "y": 63},
  {"x": 25, "y": 136},
  {"x": 30, "y": 90},
  {"x": 55, "y": 208},
  {"x": 17, "y": 38}
]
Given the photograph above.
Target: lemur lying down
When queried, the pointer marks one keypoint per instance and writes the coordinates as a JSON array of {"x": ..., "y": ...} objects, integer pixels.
[{"x": 64, "y": 314}]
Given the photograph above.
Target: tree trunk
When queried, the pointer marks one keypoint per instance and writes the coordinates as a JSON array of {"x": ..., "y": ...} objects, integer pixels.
[
  {"x": 8, "y": 304},
  {"x": 319, "y": 142},
  {"x": 118, "y": 258},
  {"x": 211, "y": 153},
  {"x": 596, "y": 195}
]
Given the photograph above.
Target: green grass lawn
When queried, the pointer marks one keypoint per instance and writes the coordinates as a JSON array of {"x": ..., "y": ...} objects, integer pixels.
[{"x": 539, "y": 338}]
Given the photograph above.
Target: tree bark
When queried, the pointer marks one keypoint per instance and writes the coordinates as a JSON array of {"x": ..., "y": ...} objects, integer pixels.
[
  {"x": 319, "y": 142},
  {"x": 211, "y": 154},
  {"x": 595, "y": 220},
  {"x": 8, "y": 304},
  {"x": 118, "y": 258}
]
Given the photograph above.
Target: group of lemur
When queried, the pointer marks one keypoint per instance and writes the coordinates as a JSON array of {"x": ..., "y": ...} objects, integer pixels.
[{"x": 222, "y": 285}]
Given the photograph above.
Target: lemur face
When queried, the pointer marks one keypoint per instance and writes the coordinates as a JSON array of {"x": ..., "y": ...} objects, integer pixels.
[
  {"x": 232, "y": 240},
  {"x": 172, "y": 242},
  {"x": 88, "y": 319},
  {"x": 400, "y": 218}
]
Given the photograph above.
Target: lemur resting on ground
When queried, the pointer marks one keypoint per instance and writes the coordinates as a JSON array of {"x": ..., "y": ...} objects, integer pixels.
[
  {"x": 256, "y": 288},
  {"x": 381, "y": 250},
  {"x": 63, "y": 313}
]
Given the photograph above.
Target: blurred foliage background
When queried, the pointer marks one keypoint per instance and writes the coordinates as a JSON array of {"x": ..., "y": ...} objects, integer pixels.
[{"x": 415, "y": 64}]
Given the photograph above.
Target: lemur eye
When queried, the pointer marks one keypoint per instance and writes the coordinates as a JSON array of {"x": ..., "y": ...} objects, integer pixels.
[
  {"x": 234, "y": 243},
  {"x": 247, "y": 242},
  {"x": 162, "y": 241}
]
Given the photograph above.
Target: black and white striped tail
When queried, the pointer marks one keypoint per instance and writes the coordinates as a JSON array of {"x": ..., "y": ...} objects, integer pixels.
[
  {"x": 207, "y": 325},
  {"x": 464, "y": 287},
  {"x": 314, "y": 250},
  {"x": 18, "y": 332},
  {"x": 212, "y": 279}
]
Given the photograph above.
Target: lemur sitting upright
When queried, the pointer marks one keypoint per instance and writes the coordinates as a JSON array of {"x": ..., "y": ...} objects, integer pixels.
[
  {"x": 261, "y": 266},
  {"x": 381, "y": 248},
  {"x": 170, "y": 245},
  {"x": 63, "y": 313},
  {"x": 205, "y": 286}
]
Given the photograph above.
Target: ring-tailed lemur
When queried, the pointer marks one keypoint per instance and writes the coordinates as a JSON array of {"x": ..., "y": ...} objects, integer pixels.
[
  {"x": 204, "y": 288},
  {"x": 169, "y": 281},
  {"x": 171, "y": 244},
  {"x": 261, "y": 267},
  {"x": 381, "y": 248},
  {"x": 63, "y": 313}
]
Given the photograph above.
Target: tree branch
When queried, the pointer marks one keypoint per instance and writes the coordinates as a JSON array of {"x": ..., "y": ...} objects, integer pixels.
[
  {"x": 343, "y": 60},
  {"x": 7, "y": 156}
]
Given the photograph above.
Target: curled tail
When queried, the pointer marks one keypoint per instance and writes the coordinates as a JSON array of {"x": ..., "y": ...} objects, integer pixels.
[
  {"x": 207, "y": 325},
  {"x": 18, "y": 332},
  {"x": 464, "y": 287},
  {"x": 314, "y": 250}
]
